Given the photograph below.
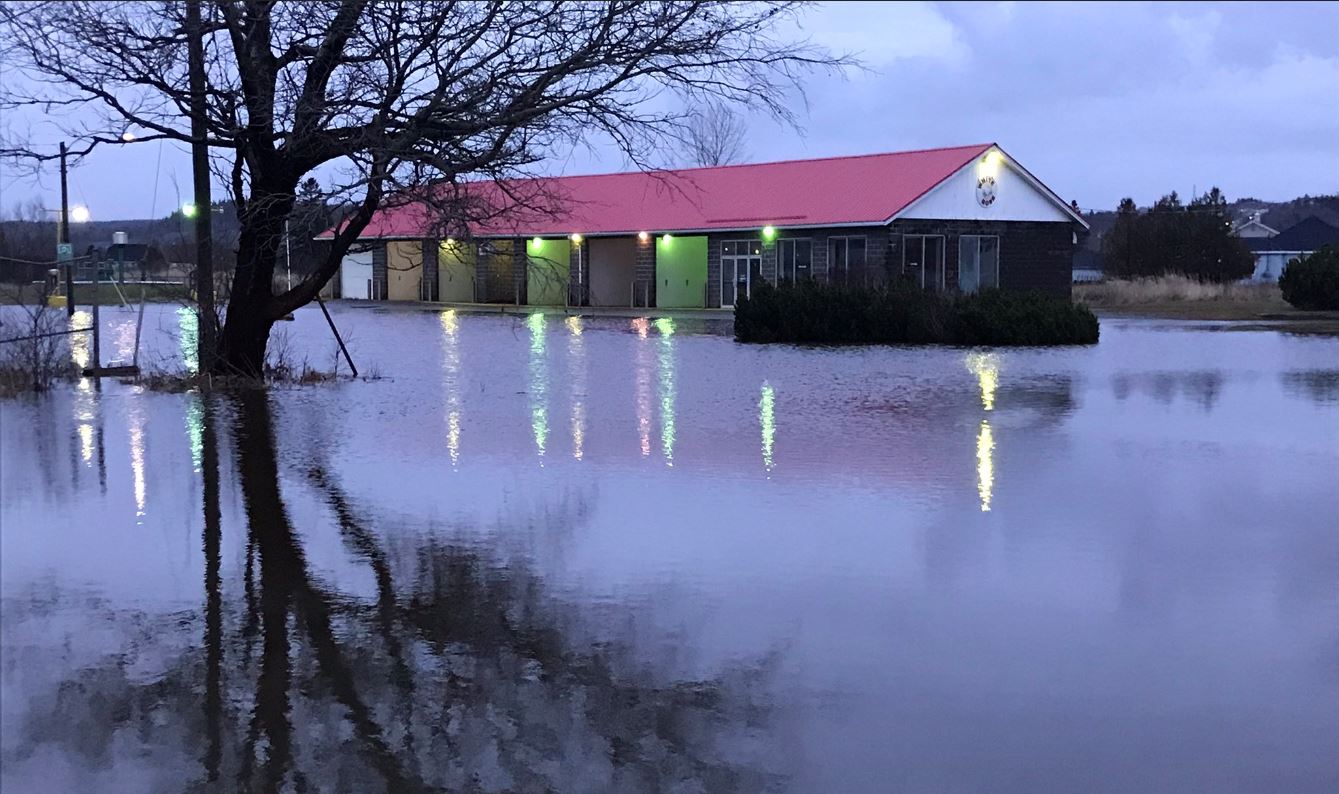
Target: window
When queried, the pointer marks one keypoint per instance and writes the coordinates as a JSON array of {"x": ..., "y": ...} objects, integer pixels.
[
  {"x": 794, "y": 259},
  {"x": 923, "y": 260},
  {"x": 741, "y": 265},
  {"x": 846, "y": 260},
  {"x": 978, "y": 262}
]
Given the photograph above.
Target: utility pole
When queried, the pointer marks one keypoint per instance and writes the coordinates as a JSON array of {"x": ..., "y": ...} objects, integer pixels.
[
  {"x": 65, "y": 254},
  {"x": 204, "y": 265}
]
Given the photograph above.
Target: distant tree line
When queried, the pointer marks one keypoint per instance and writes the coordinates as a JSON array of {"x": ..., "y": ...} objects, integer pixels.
[
  {"x": 1192, "y": 239},
  {"x": 28, "y": 237}
]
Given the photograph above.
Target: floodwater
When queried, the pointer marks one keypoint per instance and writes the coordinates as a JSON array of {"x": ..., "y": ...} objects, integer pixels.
[{"x": 609, "y": 555}]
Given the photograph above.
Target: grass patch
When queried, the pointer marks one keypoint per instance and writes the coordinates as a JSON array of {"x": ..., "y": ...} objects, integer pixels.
[
  {"x": 1183, "y": 298},
  {"x": 813, "y": 313}
]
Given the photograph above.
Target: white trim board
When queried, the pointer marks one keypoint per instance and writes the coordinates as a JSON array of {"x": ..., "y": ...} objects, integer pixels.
[{"x": 1019, "y": 196}]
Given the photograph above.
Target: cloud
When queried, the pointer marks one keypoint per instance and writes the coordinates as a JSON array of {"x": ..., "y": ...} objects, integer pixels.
[
  {"x": 1103, "y": 101},
  {"x": 881, "y": 36},
  {"x": 1099, "y": 100}
]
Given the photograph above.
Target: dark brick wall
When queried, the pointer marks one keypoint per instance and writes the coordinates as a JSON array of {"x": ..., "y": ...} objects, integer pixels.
[
  {"x": 876, "y": 246},
  {"x": 1034, "y": 255},
  {"x": 379, "y": 275},
  {"x": 645, "y": 272},
  {"x": 578, "y": 281}
]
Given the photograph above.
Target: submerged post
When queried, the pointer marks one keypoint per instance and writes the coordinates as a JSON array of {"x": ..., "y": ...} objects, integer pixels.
[{"x": 338, "y": 338}]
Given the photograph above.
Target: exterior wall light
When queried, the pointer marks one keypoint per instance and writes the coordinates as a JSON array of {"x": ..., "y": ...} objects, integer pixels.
[
  {"x": 643, "y": 236},
  {"x": 450, "y": 241},
  {"x": 666, "y": 238},
  {"x": 768, "y": 232},
  {"x": 576, "y": 238},
  {"x": 535, "y": 242}
]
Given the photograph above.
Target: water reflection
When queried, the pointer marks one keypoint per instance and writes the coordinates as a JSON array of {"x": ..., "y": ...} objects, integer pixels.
[
  {"x": 1201, "y": 387},
  {"x": 188, "y": 329},
  {"x": 985, "y": 464},
  {"x": 451, "y": 375},
  {"x": 195, "y": 431},
  {"x": 79, "y": 343},
  {"x": 136, "y": 427},
  {"x": 539, "y": 382},
  {"x": 986, "y": 368},
  {"x": 1320, "y": 385},
  {"x": 665, "y": 361},
  {"x": 642, "y": 384},
  {"x": 576, "y": 368},
  {"x": 461, "y": 672},
  {"x": 767, "y": 423}
]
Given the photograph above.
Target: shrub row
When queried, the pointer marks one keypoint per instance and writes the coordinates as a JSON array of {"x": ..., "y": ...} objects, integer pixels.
[
  {"x": 809, "y": 312},
  {"x": 1312, "y": 282}
]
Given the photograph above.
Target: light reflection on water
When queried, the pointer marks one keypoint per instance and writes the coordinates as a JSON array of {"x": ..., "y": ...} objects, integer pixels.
[
  {"x": 188, "y": 330},
  {"x": 665, "y": 366},
  {"x": 539, "y": 382},
  {"x": 576, "y": 367},
  {"x": 1143, "y": 601},
  {"x": 767, "y": 423},
  {"x": 985, "y": 464},
  {"x": 642, "y": 373},
  {"x": 451, "y": 374}
]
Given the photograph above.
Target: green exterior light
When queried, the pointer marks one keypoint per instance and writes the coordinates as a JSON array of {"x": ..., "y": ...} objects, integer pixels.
[
  {"x": 188, "y": 209},
  {"x": 768, "y": 232}
]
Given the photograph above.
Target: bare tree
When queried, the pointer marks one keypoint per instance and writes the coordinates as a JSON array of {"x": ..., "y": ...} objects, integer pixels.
[
  {"x": 395, "y": 102},
  {"x": 715, "y": 136}
]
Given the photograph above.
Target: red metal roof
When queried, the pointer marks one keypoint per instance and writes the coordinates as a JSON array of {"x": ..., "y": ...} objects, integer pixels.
[{"x": 863, "y": 189}]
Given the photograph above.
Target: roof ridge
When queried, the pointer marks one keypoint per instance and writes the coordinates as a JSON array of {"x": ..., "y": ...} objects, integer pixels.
[{"x": 826, "y": 158}]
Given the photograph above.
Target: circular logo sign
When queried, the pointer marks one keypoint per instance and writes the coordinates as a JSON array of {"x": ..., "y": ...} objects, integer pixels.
[{"x": 985, "y": 191}]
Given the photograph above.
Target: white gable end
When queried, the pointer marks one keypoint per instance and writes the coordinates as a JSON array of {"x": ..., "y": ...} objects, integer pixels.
[{"x": 964, "y": 196}]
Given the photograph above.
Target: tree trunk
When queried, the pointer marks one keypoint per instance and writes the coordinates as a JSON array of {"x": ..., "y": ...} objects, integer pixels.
[
  {"x": 252, "y": 310},
  {"x": 245, "y": 337}
]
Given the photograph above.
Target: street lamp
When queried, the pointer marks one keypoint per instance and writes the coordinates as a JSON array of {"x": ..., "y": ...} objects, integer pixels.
[
  {"x": 79, "y": 214},
  {"x": 189, "y": 209}
]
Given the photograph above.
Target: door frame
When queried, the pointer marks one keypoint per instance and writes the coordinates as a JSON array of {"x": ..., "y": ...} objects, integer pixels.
[{"x": 734, "y": 260}]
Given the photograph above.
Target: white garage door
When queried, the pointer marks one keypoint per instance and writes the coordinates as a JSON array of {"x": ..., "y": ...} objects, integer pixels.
[{"x": 355, "y": 276}]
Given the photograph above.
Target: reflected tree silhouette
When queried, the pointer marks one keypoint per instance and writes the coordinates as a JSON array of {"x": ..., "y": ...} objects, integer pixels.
[
  {"x": 1320, "y": 385},
  {"x": 463, "y": 673}
]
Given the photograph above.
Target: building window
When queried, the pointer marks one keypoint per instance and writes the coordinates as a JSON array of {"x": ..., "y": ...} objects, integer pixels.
[
  {"x": 978, "y": 262},
  {"x": 794, "y": 259},
  {"x": 923, "y": 260},
  {"x": 741, "y": 267},
  {"x": 846, "y": 260}
]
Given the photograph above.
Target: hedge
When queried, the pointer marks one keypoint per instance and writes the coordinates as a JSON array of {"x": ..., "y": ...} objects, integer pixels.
[
  {"x": 1312, "y": 282},
  {"x": 809, "y": 312}
]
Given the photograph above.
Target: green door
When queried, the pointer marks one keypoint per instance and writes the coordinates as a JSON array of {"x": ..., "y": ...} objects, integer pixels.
[
  {"x": 547, "y": 272},
  {"x": 681, "y": 272}
]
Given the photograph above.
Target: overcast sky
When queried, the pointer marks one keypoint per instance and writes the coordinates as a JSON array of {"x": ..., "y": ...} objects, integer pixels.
[{"x": 1098, "y": 100}]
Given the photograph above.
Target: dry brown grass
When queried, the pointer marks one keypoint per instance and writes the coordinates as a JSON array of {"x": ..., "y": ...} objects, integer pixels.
[
  {"x": 1179, "y": 297},
  {"x": 1164, "y": 289}
]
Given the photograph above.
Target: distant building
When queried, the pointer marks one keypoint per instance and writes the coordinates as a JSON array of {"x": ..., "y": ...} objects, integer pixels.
[
  {"x": 1272, "y": 254},
  {"x": 1087, "y": 266},
  {"x": 1253, "y": 228},
  {"x": 953, "y": 220}
]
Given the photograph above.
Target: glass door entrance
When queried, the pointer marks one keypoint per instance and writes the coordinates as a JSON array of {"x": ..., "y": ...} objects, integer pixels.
[{"x": 741, "y": 266}]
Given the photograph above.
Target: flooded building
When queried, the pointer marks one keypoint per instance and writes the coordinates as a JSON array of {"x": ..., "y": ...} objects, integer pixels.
[{"x": 952, "y": 219}]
